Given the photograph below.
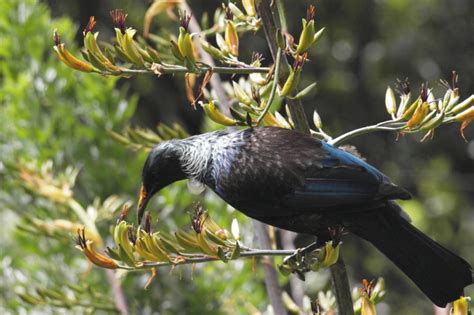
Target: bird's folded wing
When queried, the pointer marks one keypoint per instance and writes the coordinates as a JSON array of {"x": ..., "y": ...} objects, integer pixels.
[{"x": 334, "y": 187}]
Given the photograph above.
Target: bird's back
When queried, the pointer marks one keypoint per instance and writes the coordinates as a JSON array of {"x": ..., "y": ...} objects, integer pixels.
[{"x": 279, "y": 172}]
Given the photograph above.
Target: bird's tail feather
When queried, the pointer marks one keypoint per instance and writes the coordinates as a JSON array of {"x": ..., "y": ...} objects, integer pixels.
[{"x": 439, "y": 273}]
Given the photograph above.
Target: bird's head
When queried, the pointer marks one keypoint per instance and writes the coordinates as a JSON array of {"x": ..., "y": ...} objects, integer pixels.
[{"x": 162, "y": 167}]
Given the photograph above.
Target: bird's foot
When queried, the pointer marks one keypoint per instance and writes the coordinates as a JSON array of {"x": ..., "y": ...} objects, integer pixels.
[
  {"x": 301, "y": 261},
  {"x": 300, "y": 252}
]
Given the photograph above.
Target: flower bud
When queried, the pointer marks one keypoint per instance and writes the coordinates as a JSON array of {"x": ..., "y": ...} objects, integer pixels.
[
  {"x": 270, "y": 120},
  {"x": 222, "y": 44},
  {"x": 453, "y": 100},
  {"x": 282, "y": 121},
  {"x": 420, "y": 113},
  {"x": 461, "y": 306},
  {"x": 211, "y": 50},
  {"x": 390, "y": 101},
  {"x": 404, "y": 100},
  {"x": 367, "y": 307},
  {"x": 240, "y": 94},
  {"x": 236, "y": 11},
  {"x": 235, "y": 230},
  {"x": 157, "y": 7},
  {"x": 431, "y": 101},
  {"x": 317, "y": 120},
  {"x": 214, "y": 114},
  {"x": 90, "y": 43},
  {"x": 130, "y": 48},
  {"x": 232, "y": 38},
  {"x": 468, "y": 102},
  {"x": 71, "y": 61},
  {"x": 206, "y": 246},
  {"x": 329, "y": 254},
  {"x": 306, "y": 37},
  {"x": 187, "y": 241},
  {"x": 95, "y": 257},
  {"x": 185, "y": 45},
  {"x": 291, "y": 82},
  {"x": 433, "y": 122},
  {"x": 249, "y": 6},
  {"x": 468, "y": 114},
  {"x": 306, "y": 91},
  {"x": 175, "y": 50}
]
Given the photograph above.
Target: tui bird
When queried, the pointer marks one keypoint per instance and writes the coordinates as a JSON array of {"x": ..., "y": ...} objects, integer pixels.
[{"x": 298, "y": 183}]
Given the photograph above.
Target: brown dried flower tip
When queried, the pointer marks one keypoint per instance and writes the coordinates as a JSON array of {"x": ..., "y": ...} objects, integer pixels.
[
  {"x": 57, "y": 39},
  {"x": 290, "y": 40},
  {"x": 367, "y": 288},
  {"x": 198, "y": 219},
  {"x": 81, "y": 238},
  {"x": 90, "y": 26},
  {"x": 299, "y": 61},
  {"x": 310, "y": 13},
  {"x": 147, "y": 226},
  {"x": 228, "y": 13},
  {"x": 123, "y": 214},
  {"x": 131, "y": 235},
  {"x": 336, "y": 233},
  {"x": 454, "y": 80},
  {"x": 424, "y": 92},
  {"x": 119, "y": 18},
  {"x": 184, "y": 19},
  {"x": 256, "y": 95},
  {"x": 403, "y": 87}
]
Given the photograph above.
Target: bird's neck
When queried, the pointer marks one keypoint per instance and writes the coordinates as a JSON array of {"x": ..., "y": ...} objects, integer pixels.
[
  {"x": 203, "y": 155},
  {"x": 196, "y": 155}
]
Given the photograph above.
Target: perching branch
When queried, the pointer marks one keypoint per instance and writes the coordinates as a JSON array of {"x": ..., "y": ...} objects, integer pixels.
[
  {"x": 203, "y": 68},
  {"x": 253, "y": 253}
]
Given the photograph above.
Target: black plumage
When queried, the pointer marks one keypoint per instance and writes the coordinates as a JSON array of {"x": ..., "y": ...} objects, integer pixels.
[{"x": 295, "y": 182}]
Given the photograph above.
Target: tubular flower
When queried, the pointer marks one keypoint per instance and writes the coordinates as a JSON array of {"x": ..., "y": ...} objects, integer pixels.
[
  {"x": 69, "y": 59},
  {"x": 95, "y": 257}
]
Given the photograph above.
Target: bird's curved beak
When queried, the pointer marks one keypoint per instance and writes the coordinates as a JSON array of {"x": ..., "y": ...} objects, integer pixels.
[{"x": 142, "y": 202}]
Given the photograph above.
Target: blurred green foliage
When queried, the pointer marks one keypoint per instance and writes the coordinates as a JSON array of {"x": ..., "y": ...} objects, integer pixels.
[{"x": 49, "y": 112}]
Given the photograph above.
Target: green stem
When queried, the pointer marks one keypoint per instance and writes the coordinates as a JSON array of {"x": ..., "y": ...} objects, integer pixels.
[
  {"x": 364, "y": 130},
  {"x": 203, "y": 259},
  {"x": 281, "y": 13},
  {"x": 203, "y": 69},
  {"x": 273, "y": 90},
  {"x": 341, "y": 287},
  {"x": 295, "y": 106}
]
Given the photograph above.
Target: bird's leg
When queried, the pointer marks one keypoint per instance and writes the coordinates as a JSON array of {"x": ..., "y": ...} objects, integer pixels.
[
  {"x": 306, "y": 259},
  {"x": 300, "y": 252}
]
